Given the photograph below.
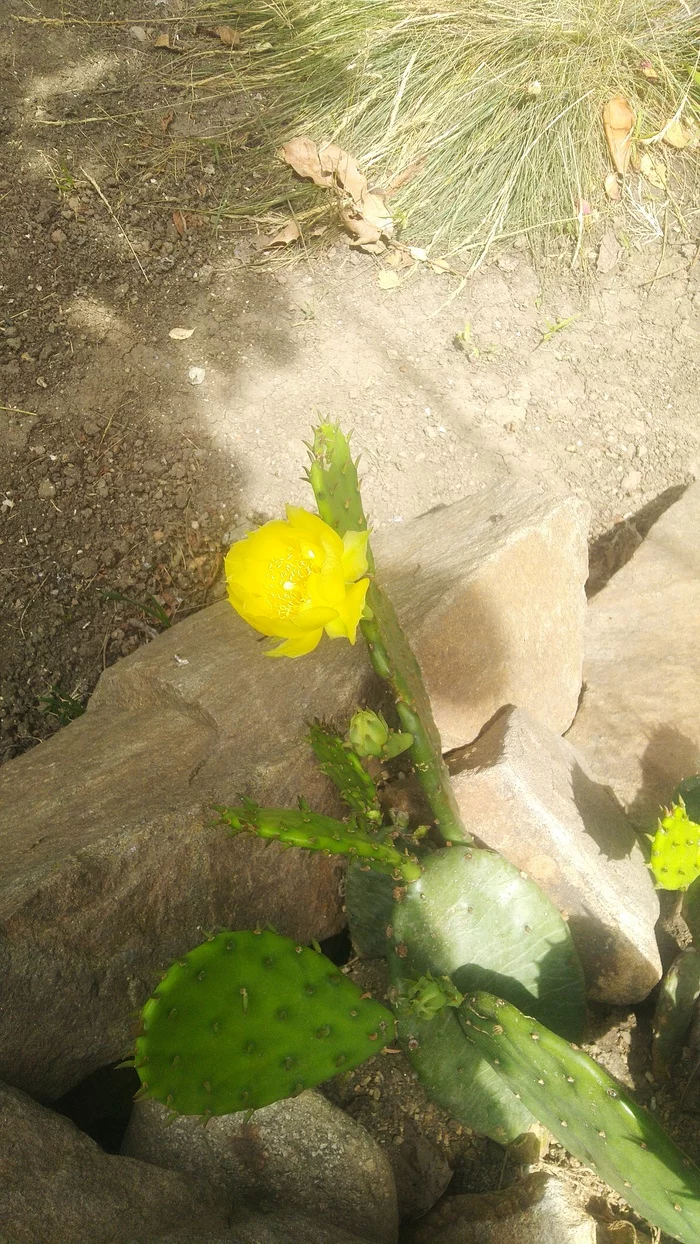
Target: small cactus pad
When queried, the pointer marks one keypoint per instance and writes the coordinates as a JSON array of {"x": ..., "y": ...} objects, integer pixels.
[
  {"x": 675, "y": 850},
  {"x": 300, "y": 827},
  {"x": 249, "y": 1018},
  {"x": 345, "y": 769},
  {"x": 675, "y": 1009},
  {"x": 589, "y": 1113}
]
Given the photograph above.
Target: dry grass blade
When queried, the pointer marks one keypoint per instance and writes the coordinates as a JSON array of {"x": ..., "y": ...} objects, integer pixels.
[{"x": 495, "y": 107}]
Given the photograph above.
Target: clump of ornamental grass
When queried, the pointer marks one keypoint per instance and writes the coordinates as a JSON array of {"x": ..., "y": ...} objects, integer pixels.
[{"x": 482, "y": 120}]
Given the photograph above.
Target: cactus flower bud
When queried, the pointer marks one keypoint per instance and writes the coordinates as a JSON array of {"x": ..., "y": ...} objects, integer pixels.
[
  {"x": 292, "y": 580},
  {"x": 368, "y": 733}
]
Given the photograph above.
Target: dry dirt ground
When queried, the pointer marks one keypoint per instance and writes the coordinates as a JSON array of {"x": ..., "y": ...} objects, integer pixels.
[{"x": 119, "y": 475}]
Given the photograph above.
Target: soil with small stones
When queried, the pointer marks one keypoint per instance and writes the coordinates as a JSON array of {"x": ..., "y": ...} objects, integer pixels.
[{"x": 130, "y": 459}]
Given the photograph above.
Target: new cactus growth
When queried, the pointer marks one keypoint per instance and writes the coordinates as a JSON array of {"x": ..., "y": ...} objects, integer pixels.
[
  {"x": 589, "y": 1113},
  {"x": 303, "y": 828},
  {"x": 345, "y": 769},
  {"x": 370, "y": 736},
  {"x": 249, "y": 1018},
  {"x": 675, "y": 1011},
  {"x": 675, "y": 850}
]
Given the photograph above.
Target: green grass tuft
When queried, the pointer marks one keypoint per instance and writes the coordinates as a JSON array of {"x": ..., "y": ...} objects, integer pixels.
[{"x": 440, "y": 109}]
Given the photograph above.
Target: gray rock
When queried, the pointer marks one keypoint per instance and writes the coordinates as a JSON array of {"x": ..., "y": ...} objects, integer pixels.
[
  {"x": 59, "y": 1186},
  {"x": 491, "y": 591},
  {"x": 638, "y": 725},
  {"x": 251, "y": 1228},
  {"x": 530, "y": 795},
  {"x": 111, "y": 866},
  {"x": 421, "y": 1173},
  {"x": 537, "y": 1210},
  {"x": 303, "y": 1155}
]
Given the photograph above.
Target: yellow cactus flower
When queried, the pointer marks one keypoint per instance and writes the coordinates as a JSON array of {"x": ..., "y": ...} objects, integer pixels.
[{"x": 294, "y": 580}]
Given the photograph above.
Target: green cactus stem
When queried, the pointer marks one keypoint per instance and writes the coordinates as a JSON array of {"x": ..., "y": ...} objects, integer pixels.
[
  {"x": 589, "y": 1113},
  {"x": 675, "y": 1010},
  {"x": 249, "y": 1018},
  {"x": 688, "y": 791},
  {"x": 333, "y": 477},
  {"x": 675, "y": 850},
  {"x": 313, "y": 832},
  {"x": 345, "y": 769}
]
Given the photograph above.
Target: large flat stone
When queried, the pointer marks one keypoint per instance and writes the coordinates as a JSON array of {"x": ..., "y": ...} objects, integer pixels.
[
  {"x": 300, "y": 1156},
  {"x": 59, "y": 1186},
  {"x": 638, "y": 725},
  {"x": 110, "y": 864},
  {"x": 539, "y": 1209},
  {"x": 529, "y": 794}
]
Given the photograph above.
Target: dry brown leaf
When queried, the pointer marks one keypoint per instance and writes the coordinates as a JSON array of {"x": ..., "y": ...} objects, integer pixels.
[
  {"x": 647, "y": 70},
  {"x": 162, "y": 40},
  {"x": 180, "y": 223},
  {"x": 374, "y": 211},
  {"x": 613, "y": 188},
  {"x": 394, "y": 259},
  {"x": 653, "y": 170},
  {"x": 167, "y": 120},
  {"x": 289, "y": 233},
  {"x": 180, "y": 334},
  {"x": 388, "y": 280},
  {"x": 230, "y": 37},
  {"x": 618, "y": 121},
  {"x": 302, "y": 155},
  {"x": 677, "y": 136},
  {"x": 345, "y": 169},
  {"x": 406, "y": 175},
  {"x": 362, "y": 231}
]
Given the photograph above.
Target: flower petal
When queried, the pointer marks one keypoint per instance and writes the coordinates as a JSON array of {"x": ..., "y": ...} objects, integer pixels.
[
  {"x": 354, "y": 554},
  {"x": 296, "y": 647},
  {"x": 345, "y": 625},
  {"x": 314, "y": 527}
]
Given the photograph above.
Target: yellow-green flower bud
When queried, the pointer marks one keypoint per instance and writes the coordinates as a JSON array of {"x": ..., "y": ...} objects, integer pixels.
[{"x": 368, "y": 733}]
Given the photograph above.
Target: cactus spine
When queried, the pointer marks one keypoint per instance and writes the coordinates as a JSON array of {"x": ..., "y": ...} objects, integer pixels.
[
  {"x": 303, "y": 828},
  {"x": 249, "y": 1018},
  {"x": 333, "y": 477},
  {"x": 589, "y": 1113}
]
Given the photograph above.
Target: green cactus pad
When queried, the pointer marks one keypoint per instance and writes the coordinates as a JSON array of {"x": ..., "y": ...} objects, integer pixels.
[
  {"x": 345, "y": 769},
  {"x": 675, "y": 850},
  {"x": 589, "y": 1113},
  {"x": 249, "y": 1018},
  {"x": 477, "y": 919},
  {"x": 314, "y": 832},
  {"x": 675, "y": 1009}
]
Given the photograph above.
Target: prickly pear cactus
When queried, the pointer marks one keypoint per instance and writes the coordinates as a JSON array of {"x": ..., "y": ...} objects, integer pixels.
[
  {"x": 303, "y": 828},
  {"x": 675, "y": 850},
  {"x": 249, "y": 1018},
  {"x": 474, "y": 917},
  {"x": 345, "y": 769},
  {"x": 675, "y": 1010},
  {"x": 589, "y": 1113}
]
